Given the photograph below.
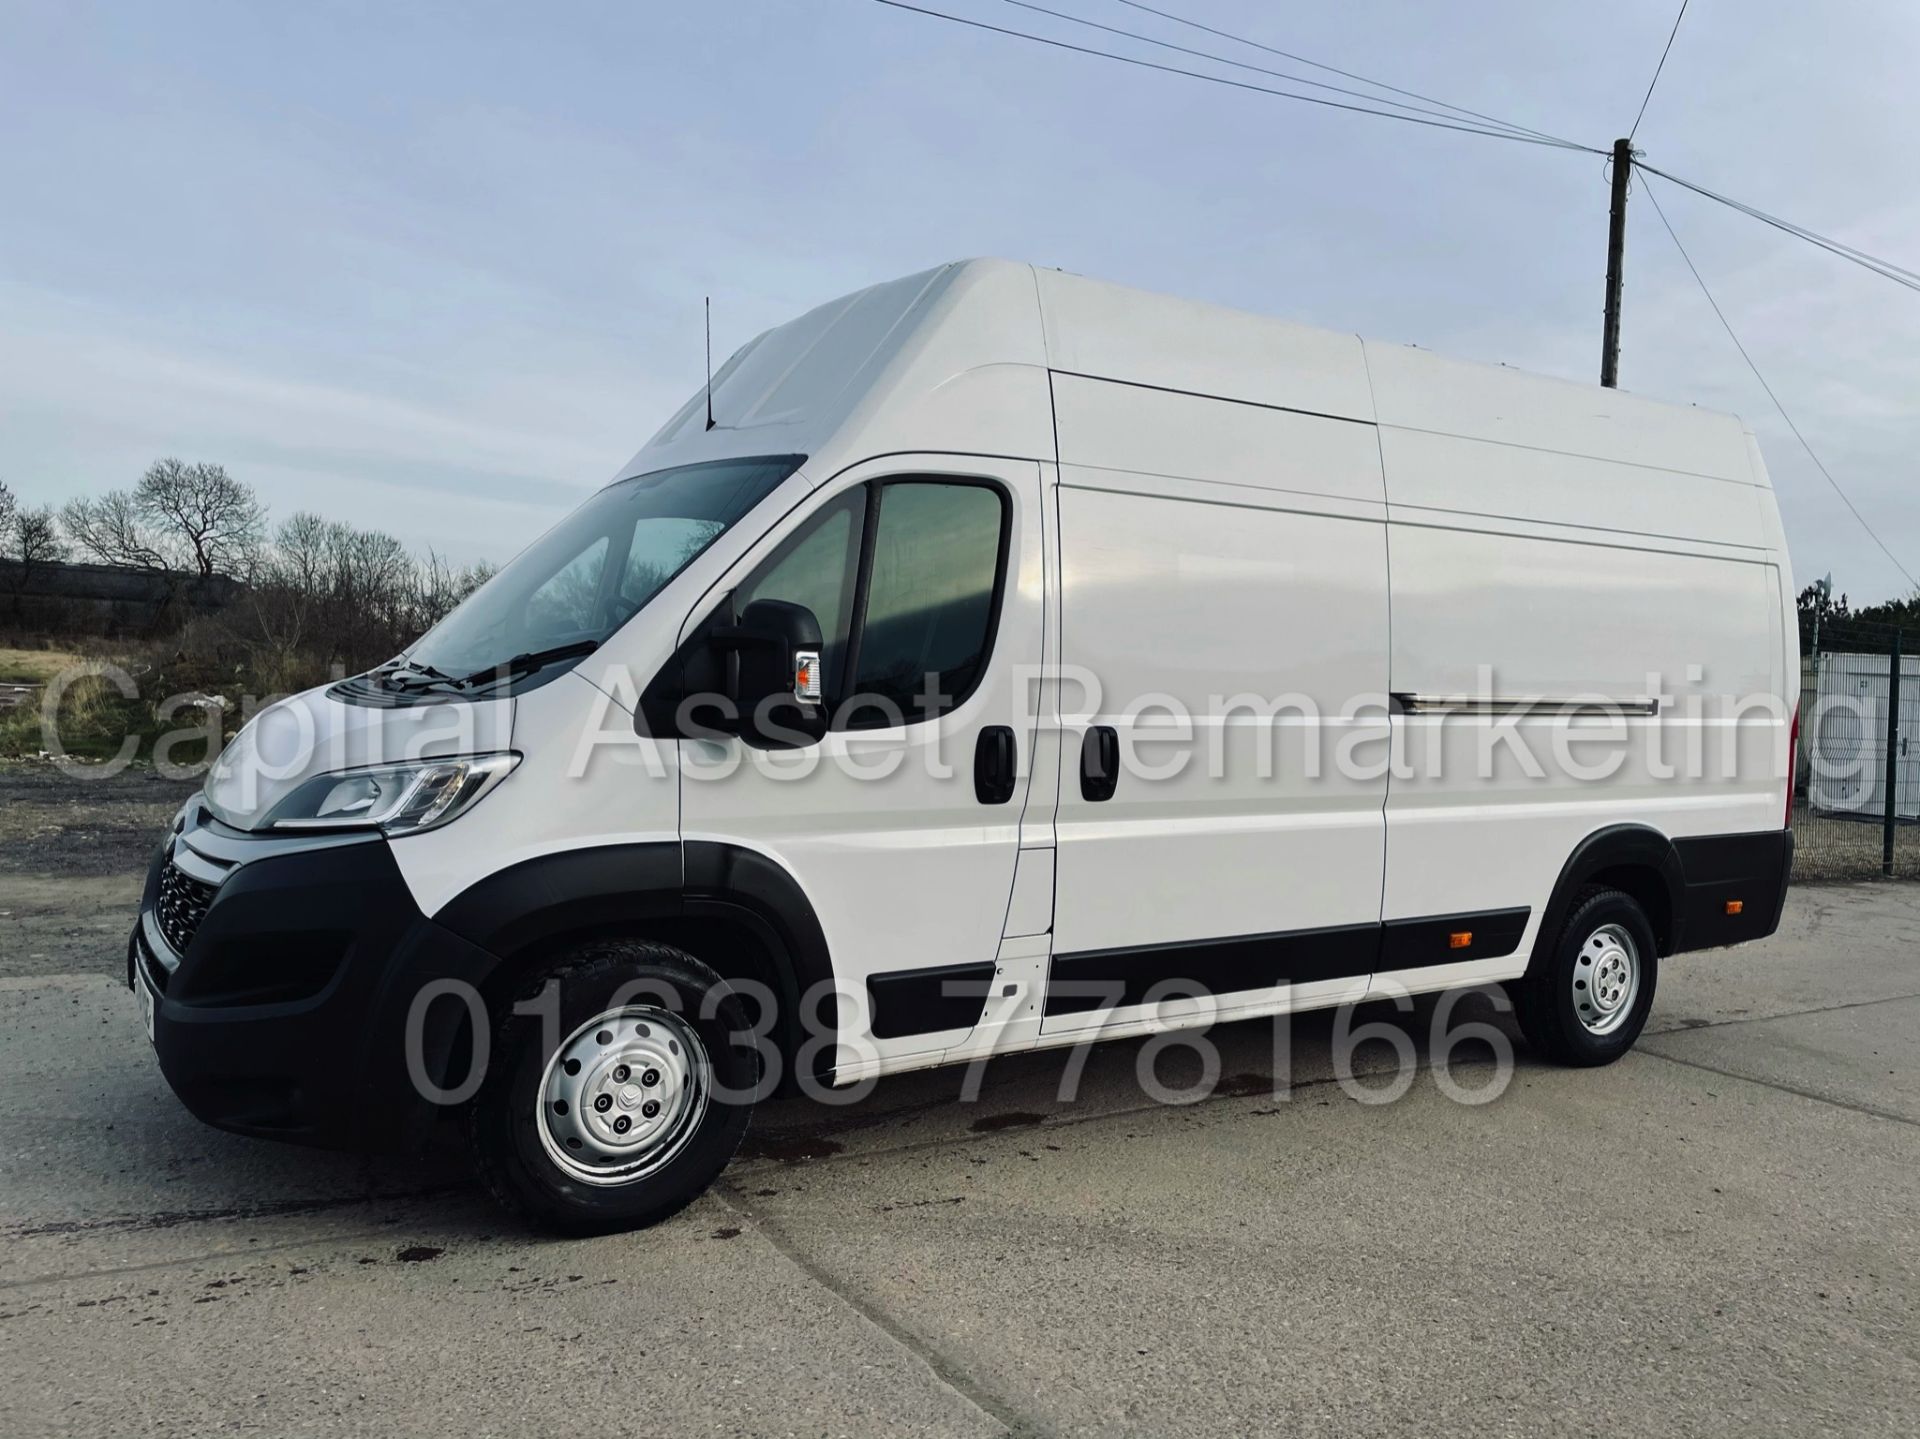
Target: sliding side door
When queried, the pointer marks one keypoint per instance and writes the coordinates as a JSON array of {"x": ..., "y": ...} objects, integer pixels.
[{"x": 1224, "y": 615}]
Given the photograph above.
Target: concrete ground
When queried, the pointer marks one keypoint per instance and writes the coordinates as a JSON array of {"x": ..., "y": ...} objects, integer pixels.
[{"x": 1717, "y": 1235}]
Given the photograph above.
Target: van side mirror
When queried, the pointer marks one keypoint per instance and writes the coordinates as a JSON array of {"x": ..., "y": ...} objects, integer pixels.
[{"x": 776, "y": 683}]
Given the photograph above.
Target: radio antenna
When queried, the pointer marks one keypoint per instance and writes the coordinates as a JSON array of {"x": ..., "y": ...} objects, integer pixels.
[{"x": 709, "y": 362}]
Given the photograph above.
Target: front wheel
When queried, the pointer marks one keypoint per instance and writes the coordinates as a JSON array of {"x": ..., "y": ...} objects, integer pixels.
[
  {"x": 616, "y": 1091},
  {"x": 1587, "y": 999}
]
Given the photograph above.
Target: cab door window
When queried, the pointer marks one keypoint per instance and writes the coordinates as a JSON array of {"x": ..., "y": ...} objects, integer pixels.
[
  {"x": 816, "y": 566},
  {"x": 904, "y": 577},
  {"x": 932, "y": 589}
]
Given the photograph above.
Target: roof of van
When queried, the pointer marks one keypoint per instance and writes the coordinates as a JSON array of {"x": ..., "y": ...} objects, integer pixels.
[{"x": 958, "y": 358}]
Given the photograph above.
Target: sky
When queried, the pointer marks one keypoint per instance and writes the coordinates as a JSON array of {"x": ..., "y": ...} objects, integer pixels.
[{"x": 438, "y": 269}]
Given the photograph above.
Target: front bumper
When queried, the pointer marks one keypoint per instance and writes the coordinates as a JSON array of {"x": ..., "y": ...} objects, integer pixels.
[{"x": 286, "y": 986}]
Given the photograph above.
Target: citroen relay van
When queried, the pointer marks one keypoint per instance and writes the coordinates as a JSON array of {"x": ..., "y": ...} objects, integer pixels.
[{"x": 995, "y": 660}]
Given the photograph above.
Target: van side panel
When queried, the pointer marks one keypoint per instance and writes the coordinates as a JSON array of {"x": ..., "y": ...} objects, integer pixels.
[
  {"x": 1636, "y": 572},
  {"x": 1483, "y": 810},
  {"x": 1466, "y": 476},
  {"x": 1485, "y": 612}
]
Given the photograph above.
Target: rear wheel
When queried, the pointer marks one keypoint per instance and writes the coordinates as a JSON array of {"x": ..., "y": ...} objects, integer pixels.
[
  {"x": 1587, "y": 999},
  {"x": 618, "y": 1091}
]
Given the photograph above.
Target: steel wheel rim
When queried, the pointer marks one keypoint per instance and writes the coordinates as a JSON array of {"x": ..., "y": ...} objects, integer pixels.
[
  {"x": 623, "y": 1095},
  {"x": 1606, "y": 979}
]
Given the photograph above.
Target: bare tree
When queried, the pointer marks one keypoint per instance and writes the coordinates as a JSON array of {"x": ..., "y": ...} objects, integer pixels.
[
  {"x": 292, "y": 584},
  {"x": 329, "y": 595},
  {"x": 32, "y": 541},
  {"x": 193, "y": 518},
  {"x": 300, "y": 556},
  {"x": 215, "y": 520},
  {"x": 112, "y": 530},
  {"x": 317, "y": 596},
  {"x": 29, "y": 540}
]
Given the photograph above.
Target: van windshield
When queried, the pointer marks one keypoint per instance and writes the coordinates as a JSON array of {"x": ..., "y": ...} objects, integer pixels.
[{"x": 591, "y": 573}]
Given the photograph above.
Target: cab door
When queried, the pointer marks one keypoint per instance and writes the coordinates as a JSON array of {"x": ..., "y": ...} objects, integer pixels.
[{"x": 901, "y": 826}]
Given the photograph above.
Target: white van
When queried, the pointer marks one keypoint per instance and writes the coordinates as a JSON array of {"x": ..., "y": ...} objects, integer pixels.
[{"x": 994, "y": 660}]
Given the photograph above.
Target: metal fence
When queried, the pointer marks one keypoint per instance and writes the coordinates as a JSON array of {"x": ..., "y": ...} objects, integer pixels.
[{"x": 1857, "y": 787}]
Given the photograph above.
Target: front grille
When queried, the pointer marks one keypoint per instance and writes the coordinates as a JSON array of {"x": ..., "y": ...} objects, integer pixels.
[
  {"x": 156, "y": 972},
  {"x": 181, "y": 906}
]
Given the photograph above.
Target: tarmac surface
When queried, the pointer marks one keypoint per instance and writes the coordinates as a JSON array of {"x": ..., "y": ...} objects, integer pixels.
[{"x": 1716, "y": 1235}]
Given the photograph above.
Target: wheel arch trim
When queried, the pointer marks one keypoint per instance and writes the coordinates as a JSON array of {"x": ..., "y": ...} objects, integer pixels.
[
  {"x": 1617, "y": 846},
  {"x": 612, "y": 887}
]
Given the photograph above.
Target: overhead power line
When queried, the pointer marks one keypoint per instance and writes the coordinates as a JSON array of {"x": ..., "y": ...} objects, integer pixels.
[
  {"x": 1469, "y": 129},
  {"x": 1460, "y": 120},
  {"x": 1817, "y": 463},
  {"x": 1336, "y": 70},
  {"x": 1477, "y": 125},
  {"x": 1886, "y": 268},
  {"x": 1657, "y": 69},
  {"x": 1245, "y": 65}
]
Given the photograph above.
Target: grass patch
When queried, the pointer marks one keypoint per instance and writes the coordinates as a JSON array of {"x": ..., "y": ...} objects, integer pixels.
[
  {"x": 94, "y": 719},
  {"x": 95, "y": 716},
  {"x": 34, "y": 667}
]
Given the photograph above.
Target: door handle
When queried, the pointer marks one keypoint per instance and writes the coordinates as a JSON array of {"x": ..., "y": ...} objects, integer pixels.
[
  {"x": 1099, "y": 763},
  {"x": 994, "y": 756}
]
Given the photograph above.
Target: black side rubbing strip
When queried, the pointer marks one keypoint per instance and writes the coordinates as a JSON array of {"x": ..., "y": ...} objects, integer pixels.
[
  {"x": 1427, "y": 941},
  {"x": 925, "y": 1001},
  {"x": 1113, "y": 978},
  {"x": 1725, "y": 858},
  {"x": 1116, "y": 978}
]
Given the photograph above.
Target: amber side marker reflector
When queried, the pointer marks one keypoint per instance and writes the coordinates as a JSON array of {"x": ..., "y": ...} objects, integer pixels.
[
  {"x": 1460, "y": 939},
  {"x": 1734, "y": 906}
]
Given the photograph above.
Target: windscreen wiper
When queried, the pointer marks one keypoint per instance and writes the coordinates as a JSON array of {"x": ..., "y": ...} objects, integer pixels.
[
  {"x": 525, "y": 663},
  {"x": 405, "y": 674}
]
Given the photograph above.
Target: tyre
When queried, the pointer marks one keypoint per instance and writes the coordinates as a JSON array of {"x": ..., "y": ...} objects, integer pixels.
[
  {"x": 1586, "y": 1000},
  {"x": 615, "y": 1096}
]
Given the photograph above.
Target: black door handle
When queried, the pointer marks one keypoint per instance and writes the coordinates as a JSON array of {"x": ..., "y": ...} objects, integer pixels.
[
  {"x": 1099, "y": 763},
  {"x": 994, "y": 754}
]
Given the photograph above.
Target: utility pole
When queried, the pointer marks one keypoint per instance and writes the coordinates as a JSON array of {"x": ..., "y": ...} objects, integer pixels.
[{"x": 1616, "y": 255}]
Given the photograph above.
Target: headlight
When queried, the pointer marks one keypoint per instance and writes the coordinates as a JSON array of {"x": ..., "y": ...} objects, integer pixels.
[{"x": 396, "y": 798}]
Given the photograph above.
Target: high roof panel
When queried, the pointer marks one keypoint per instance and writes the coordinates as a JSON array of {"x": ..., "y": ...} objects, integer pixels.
[
  {"x": 955, "y": 358},
  {"x": 1094, "y": 328},
  {"x": 801, "y": 373},
  {"x": 1417, "y": 390}
]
